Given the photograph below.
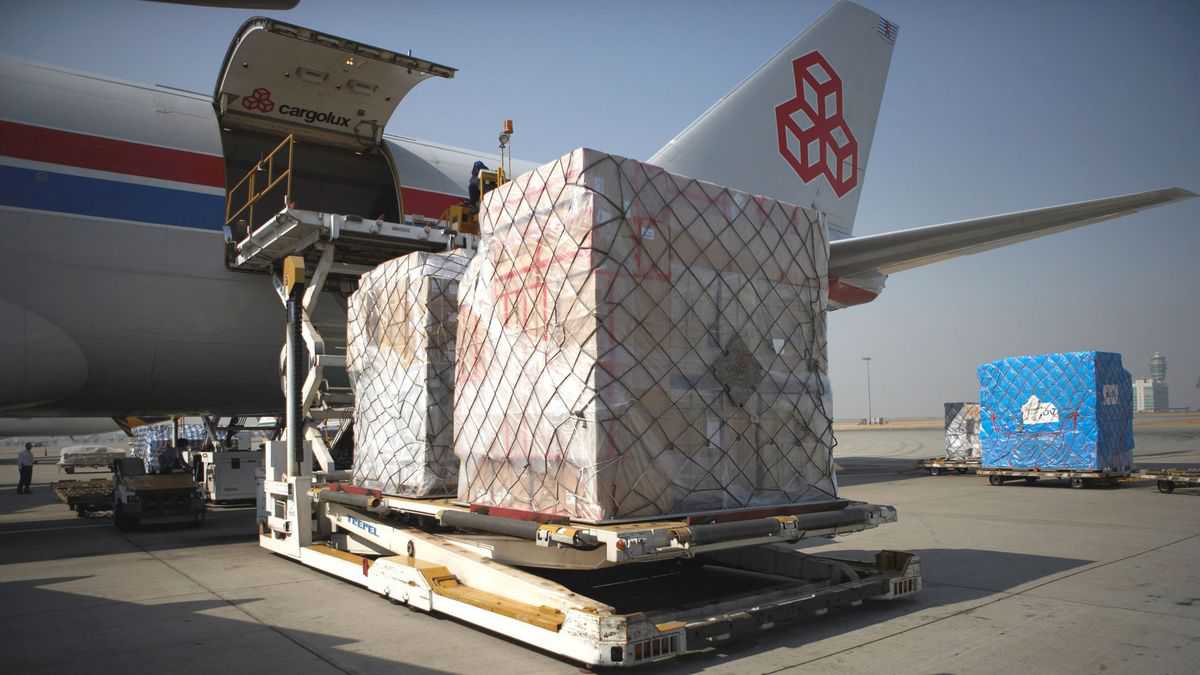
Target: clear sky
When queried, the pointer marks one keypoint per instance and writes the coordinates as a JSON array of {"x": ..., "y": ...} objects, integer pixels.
[{"x": 989, "y": 108}]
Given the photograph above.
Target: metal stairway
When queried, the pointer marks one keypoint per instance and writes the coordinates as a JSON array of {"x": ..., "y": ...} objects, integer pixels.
[{"x": 336, "y": 250}]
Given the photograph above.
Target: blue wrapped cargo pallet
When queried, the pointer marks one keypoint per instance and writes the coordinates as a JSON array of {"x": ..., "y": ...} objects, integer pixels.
[{"x": 1067, "y": 411}]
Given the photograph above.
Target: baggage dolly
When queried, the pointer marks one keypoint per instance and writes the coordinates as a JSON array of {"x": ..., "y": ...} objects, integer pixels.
[
  {"x": 1169, "y": 479},
  {"x": 939, "y": 465},
  {"x": 85, "y": 496},
  {"x": 1077, "y": 479}
]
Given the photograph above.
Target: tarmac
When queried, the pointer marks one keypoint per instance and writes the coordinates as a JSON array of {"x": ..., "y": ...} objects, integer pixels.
[{"x": 1018, "y": 578}]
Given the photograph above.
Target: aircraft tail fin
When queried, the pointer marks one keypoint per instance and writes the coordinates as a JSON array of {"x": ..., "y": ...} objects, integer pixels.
[{"x": 799, "y": 129}]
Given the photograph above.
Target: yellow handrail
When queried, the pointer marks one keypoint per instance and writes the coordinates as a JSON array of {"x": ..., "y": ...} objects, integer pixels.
[{"x": 272, "y": 182}]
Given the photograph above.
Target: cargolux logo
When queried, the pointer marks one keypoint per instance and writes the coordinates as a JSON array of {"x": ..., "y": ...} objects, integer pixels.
[
  {"x": 813, "y": 135},
  {"x": 259, "y": 100}
]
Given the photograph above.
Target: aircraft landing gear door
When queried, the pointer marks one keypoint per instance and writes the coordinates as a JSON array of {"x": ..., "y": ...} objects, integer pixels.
[{"x": 281, "y": 79}]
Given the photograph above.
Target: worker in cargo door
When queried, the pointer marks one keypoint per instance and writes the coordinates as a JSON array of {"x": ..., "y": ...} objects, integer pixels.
[
  {"x": 473, "y": 188},
  {"x": 25, "y": 469}
]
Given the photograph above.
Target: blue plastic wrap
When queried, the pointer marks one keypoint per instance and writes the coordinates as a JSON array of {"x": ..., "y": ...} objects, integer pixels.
[{"x": 1057, "y": 411}]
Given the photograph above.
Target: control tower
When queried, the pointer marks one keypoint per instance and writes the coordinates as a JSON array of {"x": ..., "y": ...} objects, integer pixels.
[
  {"x": 1150, "y": 393},
  {"x": 1158, "y": 368}
]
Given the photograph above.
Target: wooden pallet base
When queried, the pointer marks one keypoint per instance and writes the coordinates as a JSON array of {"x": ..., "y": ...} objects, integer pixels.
[{"x": 1077, "y": 479}]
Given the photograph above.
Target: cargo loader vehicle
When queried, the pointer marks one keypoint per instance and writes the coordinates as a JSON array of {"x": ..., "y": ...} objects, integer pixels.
[
  {"x": 601, "y": 594},
  {"x": 617, "y": 594}
]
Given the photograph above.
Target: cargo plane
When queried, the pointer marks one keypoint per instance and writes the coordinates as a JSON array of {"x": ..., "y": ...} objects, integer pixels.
[{"x": 115, "y": 298}]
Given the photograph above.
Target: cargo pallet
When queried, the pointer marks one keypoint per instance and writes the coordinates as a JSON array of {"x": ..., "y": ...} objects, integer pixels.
[
  {"x": 614, "y": 594},
  {"x": 1077, "y": 479},
  {"x": 85, "y": 496},
  {"x": 939, "y": 465},
  {"x": 1169, "y": 479}
]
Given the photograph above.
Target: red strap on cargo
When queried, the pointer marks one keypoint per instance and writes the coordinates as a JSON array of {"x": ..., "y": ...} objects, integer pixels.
[
  {"x": 353, "y": 490},
  {"x": 518, "y": 514}
]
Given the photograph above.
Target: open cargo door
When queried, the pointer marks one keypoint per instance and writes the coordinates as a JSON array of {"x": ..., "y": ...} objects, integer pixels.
[
  {"x": 283, "y": 79},
  {"x": 335, "y": 96}
]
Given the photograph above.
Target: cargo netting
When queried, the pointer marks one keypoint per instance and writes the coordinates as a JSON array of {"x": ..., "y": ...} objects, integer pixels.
[
  {"x": 962, "y": 431},
  {"x": 633, "y": 343},
  {"x": 400, "y": 357}
]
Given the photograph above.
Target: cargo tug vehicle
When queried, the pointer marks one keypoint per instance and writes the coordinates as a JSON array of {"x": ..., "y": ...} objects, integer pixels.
[{"x": 602, "y": 594}]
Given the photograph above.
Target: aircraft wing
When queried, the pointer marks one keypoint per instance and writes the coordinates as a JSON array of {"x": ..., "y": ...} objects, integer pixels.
[{"x": 892, "y": 252}]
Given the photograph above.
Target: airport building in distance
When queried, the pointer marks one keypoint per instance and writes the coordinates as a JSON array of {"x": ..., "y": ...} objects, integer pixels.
[{"x": 1150, "y": 393}]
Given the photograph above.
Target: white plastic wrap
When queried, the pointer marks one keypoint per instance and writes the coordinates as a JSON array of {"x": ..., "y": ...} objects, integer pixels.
[
  {"x": 88, "y": 455},
  {"x": 962, "y": 431},
  {"x": 400, "y": 357},
  {"x": 149, "y": 440},
  {"x": 634, "y": 343}
]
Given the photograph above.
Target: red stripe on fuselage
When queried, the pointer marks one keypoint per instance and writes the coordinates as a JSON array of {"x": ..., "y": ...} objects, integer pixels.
[
  {"x": 68, "y": 148},
  {"x": 846, "y": 295},
  {"x": 427, "y": 203},
  {"x": 41, "y": 144}
]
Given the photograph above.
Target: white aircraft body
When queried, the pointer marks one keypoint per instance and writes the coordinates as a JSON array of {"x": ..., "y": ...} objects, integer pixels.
[{"x": 115, "y": 299}]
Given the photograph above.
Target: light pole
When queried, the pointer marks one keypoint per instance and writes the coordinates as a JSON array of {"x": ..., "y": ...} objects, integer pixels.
[{"x": 870, "y": 416}]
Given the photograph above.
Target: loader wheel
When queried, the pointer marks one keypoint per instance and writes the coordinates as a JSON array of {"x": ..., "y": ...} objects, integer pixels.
[
  {"x": 1077, "y": 483},
  {"x": 962, "y": 471},
  {"x": 1166, "y": 487},
  {"x": 995, "y": 480},
  {"x": 933, "y": 471}
]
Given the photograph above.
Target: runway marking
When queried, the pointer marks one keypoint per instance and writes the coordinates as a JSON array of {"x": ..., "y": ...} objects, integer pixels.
[
  {"x": 1069, "y": 602},
  {"x": 241, "y": 610},
  {"x": 1002, "y": 597}
]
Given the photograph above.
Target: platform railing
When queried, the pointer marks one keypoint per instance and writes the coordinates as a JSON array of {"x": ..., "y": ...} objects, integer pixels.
[{"x": 250, "y": 180}]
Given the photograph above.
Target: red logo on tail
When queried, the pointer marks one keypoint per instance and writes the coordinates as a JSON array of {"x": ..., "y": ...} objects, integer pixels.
[
  {"x": 259, "y": 100},
  {"x": 813, "y": 136}
]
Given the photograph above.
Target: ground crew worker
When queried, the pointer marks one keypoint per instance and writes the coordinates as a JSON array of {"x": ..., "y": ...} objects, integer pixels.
[
  {"x": 183, "y": 454},
  {"x": 171, "y": 458},
  {"x": 473, "y": 190},
  {"x": 25, "y": 468}
]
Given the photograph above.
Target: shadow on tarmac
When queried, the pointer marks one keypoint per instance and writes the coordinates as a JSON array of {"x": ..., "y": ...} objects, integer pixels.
[
  {"x": 48, "y": 630},
  {"x": 33, "y": 541},
  {"x": 866, "y": 470},
  {"x": 42, "y": 494},
  {"x": 101, "y": 627},
  {"x": 951, "y": 576}
]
